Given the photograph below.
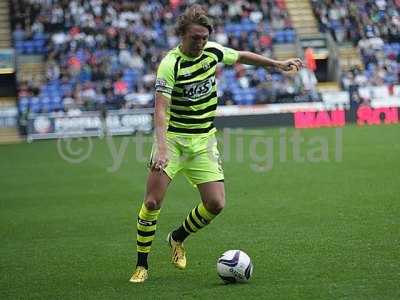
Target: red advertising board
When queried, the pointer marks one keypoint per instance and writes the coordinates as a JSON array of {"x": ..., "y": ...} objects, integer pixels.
[
  {"x": 365, "y": 115},
  {"x": 375, "y": 116},
  {"x": 316, "y": 119}
]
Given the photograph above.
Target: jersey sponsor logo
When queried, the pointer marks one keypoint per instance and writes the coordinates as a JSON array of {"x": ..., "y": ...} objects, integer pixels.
[{"x": 197, "y": 90}]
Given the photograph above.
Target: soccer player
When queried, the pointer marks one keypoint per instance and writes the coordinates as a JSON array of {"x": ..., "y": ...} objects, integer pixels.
[{"x": 185, "y": 107}]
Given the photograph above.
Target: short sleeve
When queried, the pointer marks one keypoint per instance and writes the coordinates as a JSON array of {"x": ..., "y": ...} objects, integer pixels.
[
  {"x": 230, "y": 56},
  {"x": 225, "y": 55},
  {"x": 165, "y": 76}
]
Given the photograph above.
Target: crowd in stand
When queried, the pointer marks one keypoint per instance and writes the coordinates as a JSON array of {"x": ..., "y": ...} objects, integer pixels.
[
  {"x": 106, "y": 52},
  {"x": 371, "y": 25}
]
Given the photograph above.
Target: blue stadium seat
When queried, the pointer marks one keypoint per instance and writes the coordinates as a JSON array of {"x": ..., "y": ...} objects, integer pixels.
[
  {"x": 235, "y": 89},
  {"x": 267, "y": 27},
  {"x": 277, "y": 77},
  {"x": 55, "y": 93},
  {"x": 19, "y": 47},
  {"x": 56, "y": 103},
  {"x": 38, "y": 45},
  {"x": 29, "y": 48},
  {"x": 261, "y": 74},
  {"x": 54, "y": 82},
  {"x": 396, "y": 47},
  {"x": 237, "y": 30},
  {"x": 229, "y": 28},
  {"x": 53, "y": 88},
  {"x": 40, "y": 35},
  {"x": 65, "y": 88},
  {"x": 290, "y": 36},
  {"x": 45, "y": 104},
  {"x": 236, "y": 97},
  {"x": 279, "y": 36},
  {"x": 34, "y": 104},
  {"x": 23, "y": 104},
  {"x": 84, "y": 76},
  {"x": 229, "y": 73},
  {"x": 131, "y": 77},
  {"x": 252, "y": 95},
  {"x": 387, "y": 48},
  {"x": 248, "y": 26},
  {"x": 335, "y": 24}
]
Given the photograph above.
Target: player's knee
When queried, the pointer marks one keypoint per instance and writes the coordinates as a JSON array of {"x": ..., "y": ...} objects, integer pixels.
[
  {"x": 218, "y": 208},
  {"x": 152, "y": 203},
  {"x": 215, "y": 207}
]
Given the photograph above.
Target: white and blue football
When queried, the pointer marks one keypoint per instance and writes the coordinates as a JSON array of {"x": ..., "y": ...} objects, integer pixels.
[{"x": 234, "y": 266}]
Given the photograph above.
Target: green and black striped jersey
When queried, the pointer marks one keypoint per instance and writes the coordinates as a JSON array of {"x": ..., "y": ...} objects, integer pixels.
[{"x": 190, "y": 85}]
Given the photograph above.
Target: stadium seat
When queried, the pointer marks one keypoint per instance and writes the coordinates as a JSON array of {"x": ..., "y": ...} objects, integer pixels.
[
  {"x": 151, "y": 47},
  {"x": 290, "y": 36},
  {"x": 38, "y": 45},
  {"x": 56, "y": 103},
  {"x": 23, "y": 104},
  {"x": 34, "y": 104},
  {"x": 29, "y": 47},
  {"x": 19, "y": 47},
  {"x": 279, "y": 36},
  {"x": 45, "y": 104}
]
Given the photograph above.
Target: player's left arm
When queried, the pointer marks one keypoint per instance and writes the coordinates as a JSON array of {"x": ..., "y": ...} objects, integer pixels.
[
  {"x": 292, "y": 65},
  {"x": 231, "y": 56}
]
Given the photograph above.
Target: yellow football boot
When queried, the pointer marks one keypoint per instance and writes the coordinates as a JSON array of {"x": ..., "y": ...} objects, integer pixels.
[
  {"x": 140, "y": 275},
  {"x": 178, "y": 257}
]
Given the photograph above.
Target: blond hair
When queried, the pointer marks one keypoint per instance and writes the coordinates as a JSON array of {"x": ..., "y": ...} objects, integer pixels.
[{"x": 194, "y": 14}]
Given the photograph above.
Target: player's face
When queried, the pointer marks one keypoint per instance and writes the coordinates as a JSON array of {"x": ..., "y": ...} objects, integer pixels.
[{"x": 194, "y": 40}]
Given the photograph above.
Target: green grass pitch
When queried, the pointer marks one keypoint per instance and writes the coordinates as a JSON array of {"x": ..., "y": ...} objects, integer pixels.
[{"x": 323, "y": 228}]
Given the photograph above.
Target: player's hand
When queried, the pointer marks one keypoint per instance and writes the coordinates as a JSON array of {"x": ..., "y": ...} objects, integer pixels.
[
  {"x": 160, "y": 161},
  {"x": 291, "y": 66}
]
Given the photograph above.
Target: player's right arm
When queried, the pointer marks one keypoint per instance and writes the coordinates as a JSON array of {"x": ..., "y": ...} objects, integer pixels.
[
  {"x": 160, "y": 160},
  {"x": 165, "y": 82}
]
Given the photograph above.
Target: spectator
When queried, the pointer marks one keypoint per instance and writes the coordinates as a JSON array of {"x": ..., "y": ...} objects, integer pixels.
[
  {"x": 308, "y": 83},
  {"x": 372, "y": 26},
  {"x": 90, "y": 43}
]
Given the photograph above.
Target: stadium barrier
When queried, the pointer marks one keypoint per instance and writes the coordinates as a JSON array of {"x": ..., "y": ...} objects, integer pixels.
[
  {"x": 8, "y": 117},
  {"x": 311, "y": 116},
  {"x": 336, "y": 110},
  {"x": 60, "y": 125},
  {"x": 271, "y": 114}
]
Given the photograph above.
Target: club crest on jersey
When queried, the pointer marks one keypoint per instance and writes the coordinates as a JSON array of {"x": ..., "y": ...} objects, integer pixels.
[{"x": 205, "y": 65}]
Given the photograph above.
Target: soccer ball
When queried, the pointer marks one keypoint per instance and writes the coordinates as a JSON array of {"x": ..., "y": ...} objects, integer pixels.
[{"x": 234, "y": 266}]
